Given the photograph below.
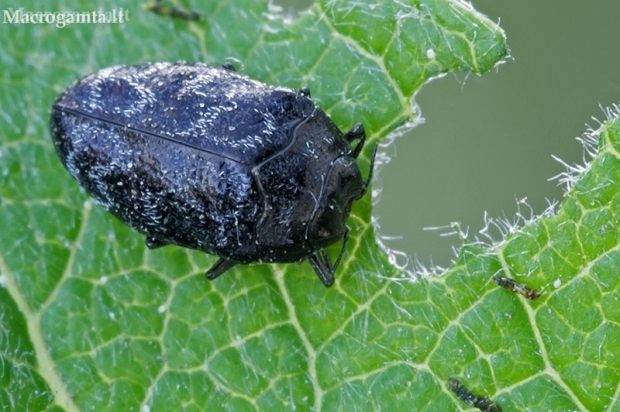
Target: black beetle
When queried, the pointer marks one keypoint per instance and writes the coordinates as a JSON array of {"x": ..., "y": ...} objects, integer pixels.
[{"x": 206, "y": 158}]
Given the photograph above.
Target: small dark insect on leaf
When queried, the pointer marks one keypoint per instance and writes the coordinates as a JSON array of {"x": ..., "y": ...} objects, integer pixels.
[
  {"x": 161, "y": 9},
  {"x": 480, "y": 402},
  {"x": 517, "y": 287}
]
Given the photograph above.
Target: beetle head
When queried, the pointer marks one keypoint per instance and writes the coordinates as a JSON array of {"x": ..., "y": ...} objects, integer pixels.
[{"x": 342, "y": 186}]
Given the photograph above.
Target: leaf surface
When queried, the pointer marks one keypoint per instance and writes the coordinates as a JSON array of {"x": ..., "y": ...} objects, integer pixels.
[{"x": 91, "y": 319}]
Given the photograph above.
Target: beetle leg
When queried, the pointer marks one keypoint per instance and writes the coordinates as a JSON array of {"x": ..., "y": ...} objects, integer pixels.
[
  {"x": 369, "y": 178},
  {"x": 305, "y": 91},
  {"x": 323, "y": 265},
  {"x": 219, "y": 268},
  {"x": 154, "y": 243},
  {"x": 357, "y": 132},
  {"x": 345, "y": 239},
  {"x": 229, "y": 66}
]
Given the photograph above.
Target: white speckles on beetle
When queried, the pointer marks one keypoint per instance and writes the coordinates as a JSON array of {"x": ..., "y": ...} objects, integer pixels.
[{"x": 205, "y": 158}]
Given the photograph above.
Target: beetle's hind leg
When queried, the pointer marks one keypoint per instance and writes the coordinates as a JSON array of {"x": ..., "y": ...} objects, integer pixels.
[
  {"x": 322, "y": 263},
  {"x": 219, "y": 268}
]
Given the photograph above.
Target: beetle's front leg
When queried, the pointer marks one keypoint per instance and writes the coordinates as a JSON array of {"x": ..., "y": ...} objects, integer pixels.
[{"x": 357, "y": 132}]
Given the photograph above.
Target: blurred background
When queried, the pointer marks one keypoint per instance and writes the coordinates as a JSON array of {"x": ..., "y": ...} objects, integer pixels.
[{"x": 486, "y": 143}]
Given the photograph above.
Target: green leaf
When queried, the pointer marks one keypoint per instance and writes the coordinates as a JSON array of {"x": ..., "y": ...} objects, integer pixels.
[{"x": 91, "y": 319}]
